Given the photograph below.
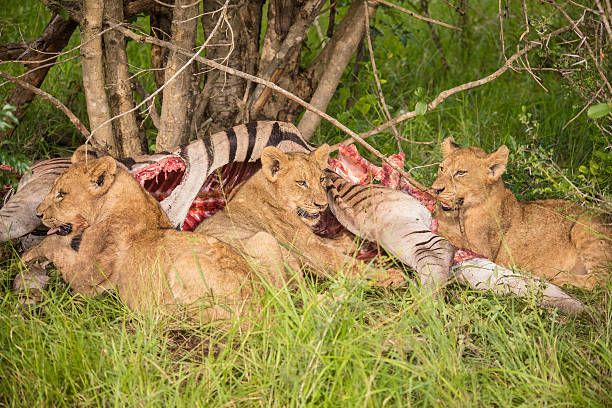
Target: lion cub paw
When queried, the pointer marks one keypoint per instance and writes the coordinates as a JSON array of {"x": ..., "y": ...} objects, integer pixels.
[{"x": 391, "y": 277}]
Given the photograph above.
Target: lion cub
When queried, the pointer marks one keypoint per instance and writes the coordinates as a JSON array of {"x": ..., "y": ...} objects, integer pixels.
[
  {"x": 554, "y": 239},
  {"x": 108, "y": 232},
  {"x": 270, "y": 217}
]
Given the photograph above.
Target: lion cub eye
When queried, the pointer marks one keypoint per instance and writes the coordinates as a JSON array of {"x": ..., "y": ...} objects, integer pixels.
[
  {"x": 301, "y": 183},
  {"x": 60, "y": 194},
  {"x": 322, "y": 179},
  {"x": 459, "y": 173}
]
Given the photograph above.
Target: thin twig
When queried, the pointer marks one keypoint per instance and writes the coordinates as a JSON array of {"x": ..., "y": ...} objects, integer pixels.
[
  {"x": 445, "y": 94},
  {"x": 525, "y": 34},
  {"x": 583, "y": 109},
  {"x": 378, "y": 86},
  {"x": 417, "y": 16},
  {"x": 583, "y": 37},
  {"x": 501, "y": 29},
  {"x": 604, "y": 19},
  {"x": 75, "y": 121}
]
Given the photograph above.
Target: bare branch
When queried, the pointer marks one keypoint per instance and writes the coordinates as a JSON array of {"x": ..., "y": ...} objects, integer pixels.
[
  {"x": 418, "y": 17},
  {"x": 139, "y": 89},
  {"x": 52, "y": 40},
  {"x": 445, "y": 94},
  {"x": 586, "y": 43},
  {"x": 75, "y": 121}
]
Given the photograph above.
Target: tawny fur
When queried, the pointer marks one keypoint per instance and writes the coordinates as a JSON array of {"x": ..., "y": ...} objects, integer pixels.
[
  {"x": 554, "y": 239},
  {"x": 281, "y": 203},
  {"x": 129, "y": 244}
]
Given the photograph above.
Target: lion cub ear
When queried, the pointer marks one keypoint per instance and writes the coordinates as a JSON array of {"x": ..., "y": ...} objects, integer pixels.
[
  {"x": 85, "y": 153},
  {"x": 272, "y": 161},
  {"x": 496, "y": 162},
  {"x": 449, "y": 146},
  {"x": 101, "y": 174},
  {"x": 321, "y": 155}
]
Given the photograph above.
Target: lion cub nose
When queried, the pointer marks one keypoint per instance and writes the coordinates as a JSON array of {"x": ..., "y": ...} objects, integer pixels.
[{"x": 438, "y": 190}]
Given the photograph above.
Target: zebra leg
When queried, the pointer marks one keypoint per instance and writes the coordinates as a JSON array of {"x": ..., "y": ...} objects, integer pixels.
[
  {"x": 482, "y": 274},
  {"x": 429, "y": 254}
]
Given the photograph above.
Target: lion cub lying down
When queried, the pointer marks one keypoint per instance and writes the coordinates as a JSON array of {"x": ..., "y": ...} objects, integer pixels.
[
  {"x": 280, "y": 204},
  {"x": 554, "y": 239},
  {"x": 108, "y": 232}
]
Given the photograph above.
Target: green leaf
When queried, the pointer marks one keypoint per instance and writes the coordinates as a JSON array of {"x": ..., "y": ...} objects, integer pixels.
[
  {"x": 363, "y": 106},
  {"x": 420, "y": 108},
  {"x": 600, "y": 110},
  {"x": 419, "y": 92}
]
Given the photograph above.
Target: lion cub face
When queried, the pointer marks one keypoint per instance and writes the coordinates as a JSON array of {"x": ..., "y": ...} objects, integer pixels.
[
  {"x": 74, "y": 198},
  {"x": 465, "y": 176},
  {"x": 297, "y": 181}
]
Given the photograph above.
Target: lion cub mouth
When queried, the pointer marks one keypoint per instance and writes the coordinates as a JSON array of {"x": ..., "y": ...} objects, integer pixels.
[
  {"x": 62, "y": 230},
  {"x": 446, "y": 207},
  {"x": 305, "y": 214}
]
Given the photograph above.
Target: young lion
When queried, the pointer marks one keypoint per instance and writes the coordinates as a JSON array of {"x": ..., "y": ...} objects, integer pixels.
[
  {"x": 551, "y": 238},
  {"x": 108, "y": 232},
  {"x": 283, "y": 201}
]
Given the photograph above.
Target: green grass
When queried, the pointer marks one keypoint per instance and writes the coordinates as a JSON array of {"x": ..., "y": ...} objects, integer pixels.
[
  {"x": 371, "y": 347},
  {"x": 361, "y": 346}
]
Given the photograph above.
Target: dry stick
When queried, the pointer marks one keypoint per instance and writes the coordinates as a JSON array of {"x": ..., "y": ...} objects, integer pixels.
[
  {"x": 75, "y": 121},
  {"x": 139, "y": 89},
  {"x": 375, "y": 71},
  {"x": 445, "y": 94},
  {"x": 583, "y": 109},
  {"x": 501, "y": 29},
  {"x": 417, "y": 16}
]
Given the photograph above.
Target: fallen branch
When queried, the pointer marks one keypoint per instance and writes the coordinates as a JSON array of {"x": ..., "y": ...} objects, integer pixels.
[{"x": 75, "y": 121}]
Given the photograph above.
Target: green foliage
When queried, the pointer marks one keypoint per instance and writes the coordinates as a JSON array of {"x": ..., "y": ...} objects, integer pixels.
[
  {"x": 599, "y": 111},
  {"x": 17, "y": 163}
]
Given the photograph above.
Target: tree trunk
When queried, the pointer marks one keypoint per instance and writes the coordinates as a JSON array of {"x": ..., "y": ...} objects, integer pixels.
[
  {"x": 160, "y": 28},
  {"x": 93, "y": 77},
  {"x": 179, "y": 92},
  {"x": 332, "y": 61},
  {"x": 221, "y": 100},
  {"x": 131, "y": 140}
]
